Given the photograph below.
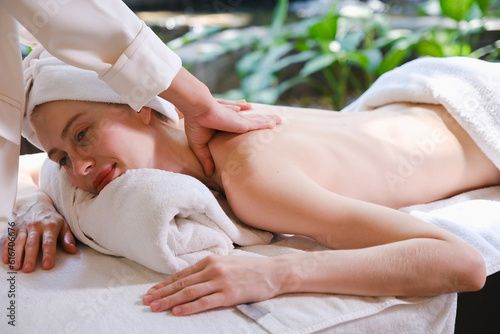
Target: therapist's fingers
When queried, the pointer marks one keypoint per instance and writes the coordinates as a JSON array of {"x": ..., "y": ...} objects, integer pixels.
[
  {"x": 13, "y": 249},
  {"x": 31, "y": 248},
  {"x": 7, "y": 243},
  {"x": 235, "y": 105},
  {"x": 198, "y": 137},
  {"x": 203, "y": 154},
  {"x": 49, "y": 245},
  {"x": 67, "y": 239}
]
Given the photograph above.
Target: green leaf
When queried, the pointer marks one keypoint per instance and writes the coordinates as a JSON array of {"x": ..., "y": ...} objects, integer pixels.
[
  {"x": 279, "y": 16},
  {"x": 458, "y": 49},
  {"x": 484, "y": 5},
  {"x": 357, "y": 58},
  {"x": 326, "y": 29},
  {"x": 456, "y": 9},
  {"x": 352, "y": 40},
  {"x": 259, "y": 81},
  {"x": 429, "y": 48},
  {"x": 393, "y": 59},
  {"x": 391, "y": 37},
  {"x": 249, "y": 62},
  {"x": 273, "y": 55},
  {"x": 318, "y": 63},
  {"x": 286, "y": 85},
  {"x": 293, "y": 59},
  {"x": 374, "y": 57}
]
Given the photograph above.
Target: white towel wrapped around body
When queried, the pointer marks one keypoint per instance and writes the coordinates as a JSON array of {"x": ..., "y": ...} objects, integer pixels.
[
  {"x": 468, "y": 88},
  {"x": 162, "y": 220}
]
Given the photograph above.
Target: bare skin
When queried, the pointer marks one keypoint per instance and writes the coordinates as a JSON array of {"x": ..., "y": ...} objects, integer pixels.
[
  {"x": 336, "y": 178},
  {"x": 340, "y": 187}
]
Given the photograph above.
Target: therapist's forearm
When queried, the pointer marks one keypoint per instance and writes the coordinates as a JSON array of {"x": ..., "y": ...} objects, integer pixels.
[{"x": 188, "y": 94}]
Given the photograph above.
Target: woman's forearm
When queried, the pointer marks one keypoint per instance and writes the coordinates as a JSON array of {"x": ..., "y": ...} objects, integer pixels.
[{"x": 408, "y": 268}]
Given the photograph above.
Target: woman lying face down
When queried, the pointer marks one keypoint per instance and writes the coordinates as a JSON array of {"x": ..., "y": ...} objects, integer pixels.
[{"x": 336, "y": 178}]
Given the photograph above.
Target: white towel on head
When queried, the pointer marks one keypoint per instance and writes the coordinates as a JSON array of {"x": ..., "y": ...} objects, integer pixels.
[
  {"x": 162, "y": 220},
  {"x": 468, "y": 88},
  {"x": 47, "y": 78}
]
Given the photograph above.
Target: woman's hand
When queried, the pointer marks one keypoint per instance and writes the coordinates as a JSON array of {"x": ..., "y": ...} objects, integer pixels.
[
  {"x": 37, "y": 222},
  {"x": 213, "y": 282}
]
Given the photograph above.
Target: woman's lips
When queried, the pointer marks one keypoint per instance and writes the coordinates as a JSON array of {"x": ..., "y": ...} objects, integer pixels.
[{"x": 103, "y": 178}]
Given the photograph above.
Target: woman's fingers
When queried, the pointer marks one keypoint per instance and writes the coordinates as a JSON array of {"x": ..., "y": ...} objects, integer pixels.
[
  {"x": 213, "y": 282},
  {"x": 202, "y": 304},
  {"x": 184, "y": 274},
  {"x": 188, "y": 294}
]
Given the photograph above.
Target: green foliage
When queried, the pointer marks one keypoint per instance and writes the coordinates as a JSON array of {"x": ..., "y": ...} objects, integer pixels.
[
  {"x": 456, "y": 9},
  {"x": 342, "y": 52}
]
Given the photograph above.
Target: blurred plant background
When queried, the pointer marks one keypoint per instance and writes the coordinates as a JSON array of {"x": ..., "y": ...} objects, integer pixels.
[{"x": 326, "y": 53}]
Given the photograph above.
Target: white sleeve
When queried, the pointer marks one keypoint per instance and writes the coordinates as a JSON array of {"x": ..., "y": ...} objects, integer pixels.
[{"x": 104, "y": 36}]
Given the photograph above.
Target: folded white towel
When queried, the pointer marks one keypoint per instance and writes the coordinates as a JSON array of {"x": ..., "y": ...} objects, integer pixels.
[
  {"x": 162, "y": 220},
  {"x": 468, "y": 88}
]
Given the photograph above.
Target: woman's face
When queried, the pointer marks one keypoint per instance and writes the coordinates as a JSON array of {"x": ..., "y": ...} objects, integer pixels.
[{"x": 94, "y": 142}]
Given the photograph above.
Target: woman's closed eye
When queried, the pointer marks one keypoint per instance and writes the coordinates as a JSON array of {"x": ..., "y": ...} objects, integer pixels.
[
  {"x": 63, "y": 161},
  {"x": 81, "y": 135}
]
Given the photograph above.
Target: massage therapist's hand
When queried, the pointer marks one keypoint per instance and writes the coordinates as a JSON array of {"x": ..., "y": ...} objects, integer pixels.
[
  {"x": 213, "y": 282},
  {"x": 37, "y": 223},
  {"x": 230, "y": 104},
  {"x": 204, "y": 115}
]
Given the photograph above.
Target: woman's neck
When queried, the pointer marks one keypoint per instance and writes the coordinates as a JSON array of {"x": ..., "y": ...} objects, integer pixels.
[{"x": 174, "y": 154}]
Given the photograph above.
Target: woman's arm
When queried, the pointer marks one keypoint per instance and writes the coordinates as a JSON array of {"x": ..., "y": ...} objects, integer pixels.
[
  {"x": 36, "y": 222},
  {"x": 379, "y": 251}
]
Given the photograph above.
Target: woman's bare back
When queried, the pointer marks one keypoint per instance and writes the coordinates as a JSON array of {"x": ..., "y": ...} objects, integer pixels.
[{"x": 402, "y": 154}]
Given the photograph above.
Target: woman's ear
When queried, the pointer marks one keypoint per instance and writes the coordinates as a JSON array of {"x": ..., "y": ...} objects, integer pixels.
[{"x": 145, "y": 115}]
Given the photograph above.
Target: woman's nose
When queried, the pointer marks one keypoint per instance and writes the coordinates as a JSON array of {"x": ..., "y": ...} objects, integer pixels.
[{"x": 82, "y": 165}]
